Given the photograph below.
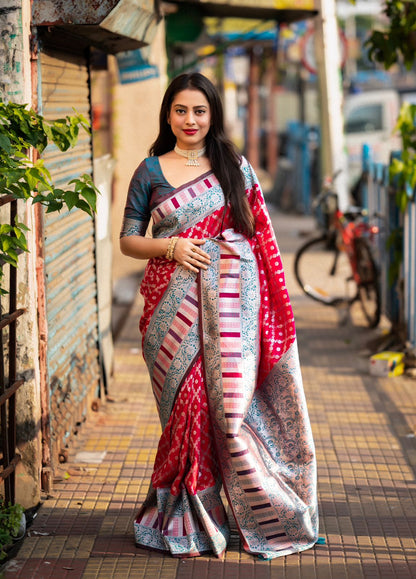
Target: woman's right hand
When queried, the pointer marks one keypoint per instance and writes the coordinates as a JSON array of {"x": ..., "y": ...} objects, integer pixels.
[{"x": 189, "y": 254}]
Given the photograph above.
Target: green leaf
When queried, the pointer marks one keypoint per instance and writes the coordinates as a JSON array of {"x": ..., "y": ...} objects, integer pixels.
[
  {"x": 5, "y": 228},
  {"x": 402, "y": 200},
  {"x": 8, "y": 259},
  {"x": 12, "y": 175},
  {"x": 90, "y": 196},
  {"x": 396, "y": 167},
  {"x": 54, "y": 205},
  {"x": 12, "y": 254},
  {"x": 81, "y": 204},
  {"x": 57, "y": 194},
  {"x": 70, "y": 198},
  {"x": 21, "y": 242},
  {"x": 32, "y": 177},
  {"x": 5, "y": 143},
  {"x": 21, "y": 226},
  {"x": 5, "y": 243},
  {"x": 44, "y": 186}
]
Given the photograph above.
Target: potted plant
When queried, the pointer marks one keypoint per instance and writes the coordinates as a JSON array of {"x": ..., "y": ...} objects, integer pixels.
[{"x": 12, "y": 525}]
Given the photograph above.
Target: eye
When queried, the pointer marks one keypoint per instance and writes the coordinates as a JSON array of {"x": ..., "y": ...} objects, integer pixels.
[
  {"x": 200, "y": 111},
  {"x": 180, "y": 111}
]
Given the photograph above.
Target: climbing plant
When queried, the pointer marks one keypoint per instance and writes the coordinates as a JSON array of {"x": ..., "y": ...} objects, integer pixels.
[
  {"x": 24, "y": 135},
  {"x": 403, "y": 169},
  {"x": 394, "y": 44},
  {"x": 397, "y": 41}
]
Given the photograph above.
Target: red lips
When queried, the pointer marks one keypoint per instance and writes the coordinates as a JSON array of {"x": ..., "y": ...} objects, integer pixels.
[{"x": 190, "y": 131}]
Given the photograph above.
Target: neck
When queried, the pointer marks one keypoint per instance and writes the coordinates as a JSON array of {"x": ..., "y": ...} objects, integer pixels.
[
  {"x": 191, "y": 154},
  {"x": 190, "y": 150}
]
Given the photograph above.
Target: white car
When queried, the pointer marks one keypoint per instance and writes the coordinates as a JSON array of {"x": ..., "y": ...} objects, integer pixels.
[{"x": 370, "y": 118}]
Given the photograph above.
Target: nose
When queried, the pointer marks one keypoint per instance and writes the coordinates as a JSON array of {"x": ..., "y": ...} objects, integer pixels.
[{"x": 190, "y": 119}]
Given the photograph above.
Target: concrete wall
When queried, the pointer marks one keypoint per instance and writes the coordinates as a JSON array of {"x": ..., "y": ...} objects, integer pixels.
[{"x": 15, "y": 86}]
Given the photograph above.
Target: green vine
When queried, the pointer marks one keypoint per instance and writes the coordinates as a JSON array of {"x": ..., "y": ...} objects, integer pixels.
[
  {"x": 399, "y": 40},
  {"x": 395, "y": 44},
  {"x": 402, "y": 173},
  {"x": 403, "y": 170},
  {"x": 24, "y": 176}
]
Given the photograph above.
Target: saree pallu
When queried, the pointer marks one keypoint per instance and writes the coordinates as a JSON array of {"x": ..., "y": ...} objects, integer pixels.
[{"x": 221, "y": 351}]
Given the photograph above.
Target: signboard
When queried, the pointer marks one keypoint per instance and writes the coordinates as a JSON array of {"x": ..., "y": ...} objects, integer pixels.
[
  {"x": 134, "y": 67},
  {"x": 269, "y": 4},
  {"x": 294, "y": 4},
  {"x": 308, "y": 50}
]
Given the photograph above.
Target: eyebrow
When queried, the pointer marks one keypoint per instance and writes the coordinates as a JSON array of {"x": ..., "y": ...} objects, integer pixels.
[{"x": 195, "y": 107}]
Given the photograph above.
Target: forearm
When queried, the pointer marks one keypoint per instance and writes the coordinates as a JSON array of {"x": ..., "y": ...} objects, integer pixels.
[
  {"x": 144, "y": 247},
  {"x": 187, "y": 252}
]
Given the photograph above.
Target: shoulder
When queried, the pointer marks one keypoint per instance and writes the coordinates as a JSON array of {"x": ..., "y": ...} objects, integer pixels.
[
  {"x": 243, "y": 162},
  {"x": 143, "y": 173},
  {"x": 249, "y": 174},
  {"x": 141, "y": 181},
  {"x": 147, "y": 165}
]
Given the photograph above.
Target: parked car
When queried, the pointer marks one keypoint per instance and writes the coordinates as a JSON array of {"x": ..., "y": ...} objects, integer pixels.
[{"x": 370, "y": 118}]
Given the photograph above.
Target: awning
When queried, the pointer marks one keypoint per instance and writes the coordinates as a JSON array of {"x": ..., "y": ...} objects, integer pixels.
[
  {"x": 110, "y": 25},
  {"x": 283, "y": 11}
]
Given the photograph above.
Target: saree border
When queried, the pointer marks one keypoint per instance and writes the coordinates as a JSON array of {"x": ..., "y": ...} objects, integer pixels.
[
  {"x": 163, "y": 347},
  {"x": 202, "y": 514},
  {"x": 186, "y": 207}
]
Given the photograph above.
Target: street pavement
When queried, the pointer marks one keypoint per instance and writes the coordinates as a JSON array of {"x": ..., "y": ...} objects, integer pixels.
[{"x": 364, "y": 429}]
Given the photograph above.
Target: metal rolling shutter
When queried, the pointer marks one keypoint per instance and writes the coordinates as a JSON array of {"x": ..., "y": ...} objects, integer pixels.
[{"x": 71, "y": 285}]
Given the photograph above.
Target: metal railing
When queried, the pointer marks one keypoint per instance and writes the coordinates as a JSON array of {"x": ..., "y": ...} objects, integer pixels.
[
  {"x": 399, "y": 303},
  {"x": 9, "y": 384}
]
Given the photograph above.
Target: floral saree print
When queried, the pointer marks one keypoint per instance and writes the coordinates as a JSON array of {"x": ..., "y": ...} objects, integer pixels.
[{"x": 221, "y": 351}]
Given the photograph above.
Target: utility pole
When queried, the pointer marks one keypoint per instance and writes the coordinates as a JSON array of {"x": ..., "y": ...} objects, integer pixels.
[
  {"x": 328, "y": 60},
  {"x": 253, "y": 112}
]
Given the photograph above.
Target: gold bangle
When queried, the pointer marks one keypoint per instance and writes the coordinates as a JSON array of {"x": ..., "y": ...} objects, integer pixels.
[
  {"x": 171, "y": 248},
  {"x": 175, "y": 240}
]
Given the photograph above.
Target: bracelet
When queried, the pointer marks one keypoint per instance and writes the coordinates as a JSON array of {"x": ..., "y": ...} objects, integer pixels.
[{"x": 171, "y": 248}]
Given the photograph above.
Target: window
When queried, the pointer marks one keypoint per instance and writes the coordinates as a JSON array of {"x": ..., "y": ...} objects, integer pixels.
[{"x": 365, "y": 119}]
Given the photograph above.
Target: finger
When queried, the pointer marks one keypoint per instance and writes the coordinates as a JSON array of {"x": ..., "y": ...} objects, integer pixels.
[
  {"x": 198, "y": 263},
  {"x": 199, "y": 253},
  {"x": 190, "y": 267}
]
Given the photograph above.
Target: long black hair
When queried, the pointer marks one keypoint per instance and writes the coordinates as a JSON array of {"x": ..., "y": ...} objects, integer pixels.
[{"x": 225, "y": 162}]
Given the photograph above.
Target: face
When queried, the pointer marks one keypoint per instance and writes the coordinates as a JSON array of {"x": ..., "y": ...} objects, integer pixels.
[{"x": 190, "y": 118}]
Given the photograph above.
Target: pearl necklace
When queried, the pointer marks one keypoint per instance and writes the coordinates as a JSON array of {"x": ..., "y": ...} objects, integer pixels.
[{"x": 191, "y": 155}]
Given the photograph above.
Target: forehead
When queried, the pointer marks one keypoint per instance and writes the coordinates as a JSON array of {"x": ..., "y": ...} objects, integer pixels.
[{"x": 191, "y": 98}]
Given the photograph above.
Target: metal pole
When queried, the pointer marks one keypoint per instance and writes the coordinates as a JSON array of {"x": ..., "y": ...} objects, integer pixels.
[
  {"x": 272, "y": 144},
  {"x": 253, "y": 141},
  {"x": 328, "y": 59}
]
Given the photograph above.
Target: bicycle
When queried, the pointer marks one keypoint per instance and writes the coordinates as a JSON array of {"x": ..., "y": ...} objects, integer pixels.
[{"x": 338, "y": 267}]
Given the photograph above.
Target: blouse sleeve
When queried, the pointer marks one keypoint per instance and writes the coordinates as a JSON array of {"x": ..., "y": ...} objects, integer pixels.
[{"x": 137, "y": 212}]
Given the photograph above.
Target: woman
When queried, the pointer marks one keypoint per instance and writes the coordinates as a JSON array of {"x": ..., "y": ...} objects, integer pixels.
[{"x": 219, "y": 342}]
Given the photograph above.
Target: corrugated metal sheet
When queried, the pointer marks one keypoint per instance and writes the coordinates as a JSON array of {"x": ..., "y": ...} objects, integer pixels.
[{"x": 71, "y": 286}]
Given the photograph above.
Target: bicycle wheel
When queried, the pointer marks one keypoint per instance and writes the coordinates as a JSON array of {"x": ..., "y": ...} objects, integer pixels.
[
  {"x": 369, "y": 286},
  {"x": 324, "y": 272}
]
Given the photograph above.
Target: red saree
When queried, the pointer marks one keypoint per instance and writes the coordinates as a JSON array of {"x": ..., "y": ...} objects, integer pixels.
[{"x": 221, "y": 352}]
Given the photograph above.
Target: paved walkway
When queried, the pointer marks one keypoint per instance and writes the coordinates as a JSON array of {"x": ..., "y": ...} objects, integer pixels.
[{"x": 364, "y": 430}]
